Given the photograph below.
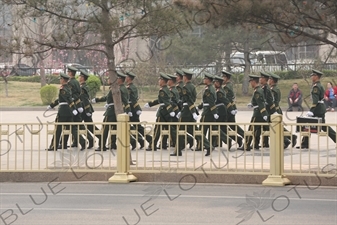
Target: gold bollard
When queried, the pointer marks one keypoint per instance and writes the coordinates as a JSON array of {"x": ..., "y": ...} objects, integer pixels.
[
  {"x": 276, "y": 178},
  {"x": 123, "y": 152}
]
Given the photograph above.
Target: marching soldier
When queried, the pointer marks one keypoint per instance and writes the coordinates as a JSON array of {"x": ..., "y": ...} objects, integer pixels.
[
  {"x": 65, "y": 113},
  {"x": 188, "y": 112},
  {"x": 135, "y": 108},
  {"x": 270, "y": 106},
  {"x": 259, "y": 115},
  {"x": 179, "y": 86},
  {"x": 273, "y": 79},
  {"x": 110, "y": 115},
  {"x": 88, "y": 109},
  {"x": 317, "y": 108},
  {"x": 231, "y": 109},
  {"x": 165, "y": 111},
  {"x": 76, "y": 91}
]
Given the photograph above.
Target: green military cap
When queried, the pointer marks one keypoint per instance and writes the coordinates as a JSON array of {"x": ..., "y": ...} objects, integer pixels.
[
  {"x": 179, "y": 72},
  {"x": 164, "y": 76},
  {"x": 264, "y": 75},
  {"x": 218, "y": 78},
  {"x": 63, "y": 75},
  {"x": 171, "y": 76},
  {"x": 226, "y": 74},
  {"x": 316, "y": 72},
  {"x": 253, "y": 77},
  {"x": 120, "y": 74},
  {"x": 84, "y": 73},
  {"x": 274, "y": 76},
  {"x": 187, "y": 72},
  {"x": 208, "y": 75},
  {"x": 71, "y": 68},
  {"x": 130, "y": 74}
]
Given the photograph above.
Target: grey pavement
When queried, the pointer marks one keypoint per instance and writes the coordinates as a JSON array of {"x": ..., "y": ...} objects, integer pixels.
[
  {"x": 29, "y": 153},
  {"x": 159, "y": 204}
]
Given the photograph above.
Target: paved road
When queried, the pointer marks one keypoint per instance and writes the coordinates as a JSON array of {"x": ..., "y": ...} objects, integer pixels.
[{"x": 173, "y": 204}]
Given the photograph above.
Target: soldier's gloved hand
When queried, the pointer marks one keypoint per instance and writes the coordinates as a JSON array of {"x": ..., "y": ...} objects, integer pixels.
[
  {"x": 233, "y": 112},
  {"x": 106, "y": 106},
  {"x": 310, "y": 114},
  {"x": 75, "y": 112},
  {"x": 216, "y": 116},
  {"x": 172, "y": 114},
  {"x": 178, "y": 115},
  {"x": 80, "y": 110},
  {"x": 236, "y": 111},
  {"x": 250, "y": 105},
  {"x": 49, "y": 107},
  {"x": 93, "y": 100},
  {"x": 147, "y": 105},
  {"x": 139, "y": 112},
  {"x": 195, "y": 116},
  {"x": 130, "y": 114},
  {"x": 88, "y": 114},
  {"x": 265, "y": 118}
]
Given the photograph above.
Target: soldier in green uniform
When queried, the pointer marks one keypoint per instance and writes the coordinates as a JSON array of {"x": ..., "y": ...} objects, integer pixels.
[
  {"x": 135, "y": 109},
  {"x": 179, "y": 86},
  {"x": 260, "y": 113},
  {"x": 65, "y": 113},
  {"x": 76, "y": 92},
  {"x": 273, "y": 79},
  {"x": 209, "y": 113},
  {"x": 110, "y": 115},
  {"x": 270, "y": 106},
  {"x": 88, "y": 109},
  {"x": 174, "y": 102},
  {"x": 231, "y": 109},
  {"x": 165, "y": 111},
  {"x": 223, "y": 106},
  {"x": 317, "y": 108}
]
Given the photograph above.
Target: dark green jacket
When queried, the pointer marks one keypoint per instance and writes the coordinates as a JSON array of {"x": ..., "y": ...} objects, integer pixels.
[
  {"x": 221, "y": 102},
  {"x": 277, "y": 97},
  {"x": 179, "y": 87},
  {"x": 258, "y": 102},
  {"x": 110, "y": 110},
  {"x": 85, "y": 99},
  {"x": 189, "y": 95},
  {"x": 228, "y": 88},
  {"x": 208, "y": 101},
  {"x": 125, "y": 98},
  {"x": 65, "y": 101},
  {"x": 270, "y": 106},
  {"x": 76, "y": 91},
  {"x": 133, "y": 98},
  {"x": 175, "y": 97},
  {"x": 317, "y": 95},
  {"x": 164, "y": 99}
]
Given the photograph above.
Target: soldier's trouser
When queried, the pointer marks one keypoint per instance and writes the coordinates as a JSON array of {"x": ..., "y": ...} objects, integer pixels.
[
  {"x": 173, "y": 134},
  {"x": 223, "y": 119},
  {"x": 140, "y": 129},
  {"x": 256, "y": 131},
  {"x": 74, "y": 131},
  {"x": 331, "y": 132},
  {"x": 238, "y": 129},
  {"x": 89, "y": 127},
  {"x": 157, "y": 131},
  {"x": 189, "y": 131},
  {"x": 55, "y": 141}
]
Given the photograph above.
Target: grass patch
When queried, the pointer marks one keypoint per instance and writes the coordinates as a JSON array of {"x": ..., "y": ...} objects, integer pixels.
[{"x": 28, "y": 93}]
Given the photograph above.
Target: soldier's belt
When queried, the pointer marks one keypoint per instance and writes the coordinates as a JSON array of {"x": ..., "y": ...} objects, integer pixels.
[
  {"x": 320, "y": 101},
  {"x": 161, "y": 103},
  {"x": 266, "y": 103},
  {"x": 255, "y": 106},
  {"x": 63, "y": 103},
  {"x": 205, "y": 104},
  {"x": 110, "y": 104},
  {"x": 221, "y": 104},
  {"x": 185, "y": 103}
]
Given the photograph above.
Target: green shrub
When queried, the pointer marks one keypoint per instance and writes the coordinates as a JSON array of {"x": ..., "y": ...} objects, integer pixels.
[
  {"x": 48, "y": 94},
  {"x": 94, "y": 85}
]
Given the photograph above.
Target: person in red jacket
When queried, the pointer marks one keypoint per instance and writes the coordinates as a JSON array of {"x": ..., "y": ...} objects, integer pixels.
[
  {"x": 295, "y": 98},
  {"x": 330, "y": 97}
]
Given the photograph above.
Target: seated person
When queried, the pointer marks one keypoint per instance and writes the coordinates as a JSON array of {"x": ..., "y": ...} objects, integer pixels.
[
  {"x": 330, "y": 97},
  {"x": 295, "y": 98}
]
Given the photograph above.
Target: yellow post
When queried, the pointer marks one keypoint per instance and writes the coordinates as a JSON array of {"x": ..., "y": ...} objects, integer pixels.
[
  {"x": 276, "y": 178},
  {"x": 123, "y": 152}
]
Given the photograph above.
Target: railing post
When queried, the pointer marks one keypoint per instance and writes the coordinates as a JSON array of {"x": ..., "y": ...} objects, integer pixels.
[
  {"x": 276, "y": 177},
  {"x": 123, "y": 152}
]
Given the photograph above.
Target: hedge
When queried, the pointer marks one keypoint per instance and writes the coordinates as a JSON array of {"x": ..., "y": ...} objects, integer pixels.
[{"x": 48, "y": 94}]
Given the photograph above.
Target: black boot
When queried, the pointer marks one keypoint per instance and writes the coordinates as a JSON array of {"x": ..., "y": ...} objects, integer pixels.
[
  {"x": 208, "y": 152},
  {"x": 294, "y": 141},
  {"x": 176, "y": 154}
]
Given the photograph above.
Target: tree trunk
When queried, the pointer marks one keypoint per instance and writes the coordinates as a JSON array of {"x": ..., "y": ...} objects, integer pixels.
[
  {"x": 245, "y": 83},
  {"x": 6, "y": 86},
  {"x": 228, "y": 51},
  {"x": 42, "y": 71}
]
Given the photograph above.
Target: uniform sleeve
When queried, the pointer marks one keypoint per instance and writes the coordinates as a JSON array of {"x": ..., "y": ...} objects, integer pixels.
[
  {"x": 101, "y": 99},
  {"x": 165, "y": 98},
  {"x": 187, "y": 97},
  {"x": 125, "y": 99},
  {"x": 85, "y": 100},
  {"x": 211, "y": 101},
  {"x": 55, "y": 103},
  {"x": 315, "y": 98},
  {"x": 66, "y": 94},
  {"x": 260, "y": 102}
]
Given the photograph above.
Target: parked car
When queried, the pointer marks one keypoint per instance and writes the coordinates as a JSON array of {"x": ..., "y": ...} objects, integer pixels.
[{"x": 23, "y": 70}]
